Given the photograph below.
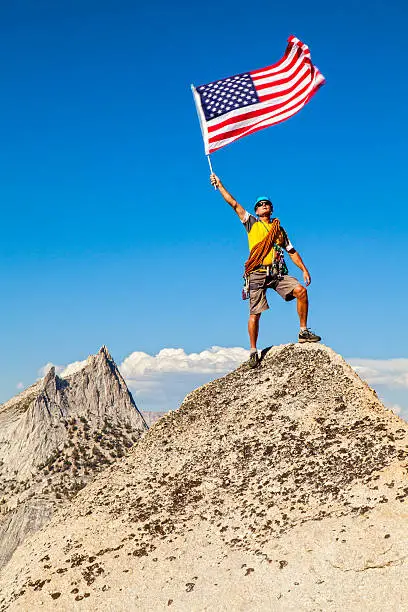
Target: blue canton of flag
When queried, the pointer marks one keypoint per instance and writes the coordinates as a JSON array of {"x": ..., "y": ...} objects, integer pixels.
[{"x": 229, "y": 94}]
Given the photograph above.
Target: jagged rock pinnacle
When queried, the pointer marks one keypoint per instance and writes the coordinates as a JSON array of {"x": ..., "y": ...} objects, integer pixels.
[
  {"x": 54, "y": 438},
  {"x": 49, "y": 375},
  {"x": 104, "y": 351}
]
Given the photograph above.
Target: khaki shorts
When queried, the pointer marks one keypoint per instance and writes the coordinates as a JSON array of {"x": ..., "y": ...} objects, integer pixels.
[{"x": 259, "y": 283}]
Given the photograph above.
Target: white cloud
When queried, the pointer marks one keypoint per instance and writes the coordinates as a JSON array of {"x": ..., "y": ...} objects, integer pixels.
[
  {"x": 391, "y": 372},
  {"x": 20, "y": 385},
  {"x": 72, "y": 367},
  {"x": 161, "y": 382},
  {"x": 62, "y": 370},
  {"x": 170, "y": 360}
]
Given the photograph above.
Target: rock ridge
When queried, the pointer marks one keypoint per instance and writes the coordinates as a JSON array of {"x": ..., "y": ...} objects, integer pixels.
[{"x": 280, "y": 488}]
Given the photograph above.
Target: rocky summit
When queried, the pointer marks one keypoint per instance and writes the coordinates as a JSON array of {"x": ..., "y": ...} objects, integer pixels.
[
  {"x": 281, "y": 488},
  {"x": 54, "y": 437}
]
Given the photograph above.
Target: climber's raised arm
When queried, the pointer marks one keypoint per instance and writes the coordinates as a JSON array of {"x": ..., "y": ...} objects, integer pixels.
[{"x": 241, "y": 212}]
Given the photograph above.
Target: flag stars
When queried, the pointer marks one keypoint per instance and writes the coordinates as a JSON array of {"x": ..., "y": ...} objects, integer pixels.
[{"x": 222, "y": 96}]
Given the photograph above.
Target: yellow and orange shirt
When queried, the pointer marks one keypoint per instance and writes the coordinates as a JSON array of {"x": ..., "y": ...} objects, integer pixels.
[{"x": 257, "y": 230}]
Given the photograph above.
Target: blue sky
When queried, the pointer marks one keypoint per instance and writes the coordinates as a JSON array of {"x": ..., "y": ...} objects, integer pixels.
[{"x": 111, "y": 233}]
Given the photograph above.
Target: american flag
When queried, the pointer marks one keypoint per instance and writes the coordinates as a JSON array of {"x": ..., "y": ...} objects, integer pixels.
[{"x": 242, "y": 104}]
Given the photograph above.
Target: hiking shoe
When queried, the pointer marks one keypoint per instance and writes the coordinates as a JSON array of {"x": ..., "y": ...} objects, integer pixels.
[
  {"x": 308, "y": 336},
  {"x": 253, "y": 360}
]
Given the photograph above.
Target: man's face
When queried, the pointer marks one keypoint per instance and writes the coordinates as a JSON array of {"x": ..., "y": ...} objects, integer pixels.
[{"x": 263, "y": 208}]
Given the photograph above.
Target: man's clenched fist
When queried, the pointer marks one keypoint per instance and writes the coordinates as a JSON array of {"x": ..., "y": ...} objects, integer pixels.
[{"x": 215, "y": 181}]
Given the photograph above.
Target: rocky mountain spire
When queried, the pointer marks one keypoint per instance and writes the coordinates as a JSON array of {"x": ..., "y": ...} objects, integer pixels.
[
  {"x": 280, "y": 488},
  {"x": 55, "y": 436}
]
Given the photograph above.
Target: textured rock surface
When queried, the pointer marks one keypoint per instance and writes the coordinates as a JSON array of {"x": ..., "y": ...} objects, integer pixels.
[
  {"x": 54, "y": 437},
  {"x": 283, "y": 488}
]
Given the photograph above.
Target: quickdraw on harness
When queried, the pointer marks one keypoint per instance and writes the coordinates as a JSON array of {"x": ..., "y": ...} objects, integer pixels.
[{"x": 260, "y": 250}]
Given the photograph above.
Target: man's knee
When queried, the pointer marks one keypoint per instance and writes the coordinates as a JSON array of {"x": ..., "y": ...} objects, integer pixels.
[{"x": 300, "y": 292}]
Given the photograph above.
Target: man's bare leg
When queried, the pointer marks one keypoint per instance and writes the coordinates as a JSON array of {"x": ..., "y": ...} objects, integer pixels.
[
  {"x": 300, "y": 294},
  {"x": 305, "y": 334},
  {"x": 253, "y": 329}
]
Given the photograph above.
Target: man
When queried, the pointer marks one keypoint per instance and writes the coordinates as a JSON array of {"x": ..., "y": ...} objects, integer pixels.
[{"x": 266, "y": 267}]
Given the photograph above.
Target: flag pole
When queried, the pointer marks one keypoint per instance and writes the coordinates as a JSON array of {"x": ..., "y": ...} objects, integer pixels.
[
  {"x": 210, "y": 164},
  {"x": 202, "y": 126},
  {"x": 211, "y": 168}
]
